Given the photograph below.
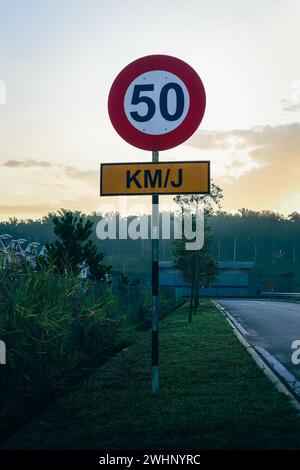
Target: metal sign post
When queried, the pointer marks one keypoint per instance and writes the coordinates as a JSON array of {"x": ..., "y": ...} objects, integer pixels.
[
  {"x": 156, "y": 102},
  {"x": 155, "y": 284}
]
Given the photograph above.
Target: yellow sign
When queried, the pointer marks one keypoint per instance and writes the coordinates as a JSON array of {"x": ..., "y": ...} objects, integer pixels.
[{"x": 155, "y": 178}]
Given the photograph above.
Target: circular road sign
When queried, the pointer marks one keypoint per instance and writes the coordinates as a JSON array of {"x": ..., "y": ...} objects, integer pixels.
[{"x": 156, "y": 102}]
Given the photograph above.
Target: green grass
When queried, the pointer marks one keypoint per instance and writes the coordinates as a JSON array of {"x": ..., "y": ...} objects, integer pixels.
[{"x": 212, "y": 396}]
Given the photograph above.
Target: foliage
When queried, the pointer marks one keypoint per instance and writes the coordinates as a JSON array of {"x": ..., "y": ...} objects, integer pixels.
[
  {"x": 73, "y": 247},
  {"x": 268, "y": 238},
  {"x": 53, "y": 333},
  {"x": 191, "y": 202},
  {"x": 197, "y": 266}
]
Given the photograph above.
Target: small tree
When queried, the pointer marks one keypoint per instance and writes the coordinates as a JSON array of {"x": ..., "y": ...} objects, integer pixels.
[
  {"x": 73, "y": 247},
  {"x": 196, "y": 266}
]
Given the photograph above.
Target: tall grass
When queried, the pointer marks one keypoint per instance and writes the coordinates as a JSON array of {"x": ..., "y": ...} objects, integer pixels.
[{"x": 55, "y": 330}]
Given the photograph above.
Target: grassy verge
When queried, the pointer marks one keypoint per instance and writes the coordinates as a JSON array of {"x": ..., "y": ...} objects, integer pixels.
[{"x": 212, "y": 395}]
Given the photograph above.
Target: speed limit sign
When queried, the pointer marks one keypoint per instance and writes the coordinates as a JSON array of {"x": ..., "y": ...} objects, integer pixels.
[{"x": 156, "y": 102}]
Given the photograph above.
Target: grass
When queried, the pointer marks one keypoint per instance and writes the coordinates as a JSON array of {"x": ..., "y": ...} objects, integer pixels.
[{"x": 212, "y": 396}]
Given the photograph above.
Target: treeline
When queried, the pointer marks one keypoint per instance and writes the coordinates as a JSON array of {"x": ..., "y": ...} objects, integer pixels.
[{"x": 268, "y": 238}]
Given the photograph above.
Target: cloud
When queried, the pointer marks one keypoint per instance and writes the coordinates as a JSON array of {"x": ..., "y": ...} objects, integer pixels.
[
  {"x": 271, "y": 177},
  {"x": 257, "y": 168},
  {"x": 265, "y": 145},
  {"x": 68, "y": 171},
  {"x": 290, "y": 107},
  {"x": 245, "y": 138},
  {"x": 23, "y": 210},
  {"x": 32, "y": 188},
  {"x": 26, "y": 164},
  {"x": 216, "y": 140},
  {"x": 74, "y": 173}
]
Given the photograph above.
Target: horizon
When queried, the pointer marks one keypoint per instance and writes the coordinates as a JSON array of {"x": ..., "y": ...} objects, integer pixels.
[{"x": 163, "y": 210}]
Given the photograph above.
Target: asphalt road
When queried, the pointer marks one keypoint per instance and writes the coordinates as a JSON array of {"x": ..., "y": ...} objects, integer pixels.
[{"x": 270, "y": 325}]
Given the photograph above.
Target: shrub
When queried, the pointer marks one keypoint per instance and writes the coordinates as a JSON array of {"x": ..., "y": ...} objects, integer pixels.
[{"x": 55, "y": 330}]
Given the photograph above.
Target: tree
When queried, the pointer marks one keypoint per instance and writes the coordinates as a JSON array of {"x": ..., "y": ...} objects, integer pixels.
[
  {"x": 196, "y": 266},
  {"x": 73, "y": 247}
]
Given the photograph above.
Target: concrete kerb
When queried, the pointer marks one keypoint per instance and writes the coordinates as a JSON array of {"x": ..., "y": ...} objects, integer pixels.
[{"x": 260, "y": 360}]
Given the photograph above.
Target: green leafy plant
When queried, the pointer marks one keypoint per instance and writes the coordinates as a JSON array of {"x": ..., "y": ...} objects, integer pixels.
[
  {"x": 73, "y": 246},
  {"x": 55, "y": 330}
]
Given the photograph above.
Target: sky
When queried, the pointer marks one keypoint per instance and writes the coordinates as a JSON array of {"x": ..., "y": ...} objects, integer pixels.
[{"x": 58, "y": 59}]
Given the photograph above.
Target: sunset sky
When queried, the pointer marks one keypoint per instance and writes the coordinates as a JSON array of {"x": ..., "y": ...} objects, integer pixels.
[{"x": 58, "y": 59}]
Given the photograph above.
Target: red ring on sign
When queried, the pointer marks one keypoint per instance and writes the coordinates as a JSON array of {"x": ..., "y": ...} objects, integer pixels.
[{"x": 173, "y": 138}]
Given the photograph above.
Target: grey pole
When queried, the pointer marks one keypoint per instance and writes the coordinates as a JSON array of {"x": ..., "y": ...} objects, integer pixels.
[{"x": 155, "y": 258}]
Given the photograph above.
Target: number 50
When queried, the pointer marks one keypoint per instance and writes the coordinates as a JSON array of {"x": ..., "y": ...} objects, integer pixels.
[{"x": 163, "y": 102}]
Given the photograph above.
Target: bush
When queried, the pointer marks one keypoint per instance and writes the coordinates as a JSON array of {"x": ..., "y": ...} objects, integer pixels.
[{"x": 55, "y": 330}]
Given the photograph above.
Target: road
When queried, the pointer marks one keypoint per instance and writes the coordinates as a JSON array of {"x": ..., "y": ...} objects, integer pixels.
[{"x": 270, "y": 325}]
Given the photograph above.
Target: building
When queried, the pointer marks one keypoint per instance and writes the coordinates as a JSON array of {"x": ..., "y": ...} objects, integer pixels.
[{"x": 233, "y": 280}]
